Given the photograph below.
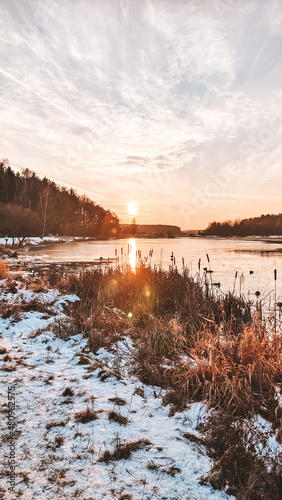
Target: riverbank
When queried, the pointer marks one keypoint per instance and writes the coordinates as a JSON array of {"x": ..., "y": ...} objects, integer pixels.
[
  {"x": 86, "y": 427},
  {"x": 38, "y": 241},
  {"x": 124, "y": 375}
]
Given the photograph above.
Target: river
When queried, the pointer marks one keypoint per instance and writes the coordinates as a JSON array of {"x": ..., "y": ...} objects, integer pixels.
[{"x": 243, "y": 265}]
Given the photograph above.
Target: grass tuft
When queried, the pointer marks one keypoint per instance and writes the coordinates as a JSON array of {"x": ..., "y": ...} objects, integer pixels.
[
  {"x": 68, "y": 392},
  {"x": 86, "y": 416},
  {"x": 118, "y": 401},
  {"x": 124, "y": 451},
  {"x": 118, "y": 418},
  {"x": 59, "y": 423}
]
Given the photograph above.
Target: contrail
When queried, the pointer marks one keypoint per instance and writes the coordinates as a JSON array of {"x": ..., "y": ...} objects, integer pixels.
[
  {"x": 19, "y": 82},
  {"x": 81, "y": 189},
  {"x": 68, "y": 185}
]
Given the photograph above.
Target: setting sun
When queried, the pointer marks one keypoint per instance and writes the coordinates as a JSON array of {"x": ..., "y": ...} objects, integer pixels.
[{"x": 132, "y": 208}]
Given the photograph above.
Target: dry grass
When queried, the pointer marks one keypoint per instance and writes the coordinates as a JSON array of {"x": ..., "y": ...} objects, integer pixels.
[
  {"x": 146, "y": 293},
  {"x": 83, "y": 359},
  {"x": 15, "y": 310},
  {"x": 57, "y": 443},
  {"x": 239, "y": 467},
  {"x": 124, "y": 451},
  {"x": 9, "y": 368},
  {"x": 118, "y": 401},
  {"x": 139, "y": 391},
  {"x": 7, "y": 357},
  {"x": 7, "y": 250},
  {"x": 4, "y": 270},
  {"x": 200, "y": 348},
  {"x": 86, "y": 416},
  {"x": 193, "y": 438},
  {"x": 185, "y": 339},
  {"x": 171, "y": 471},
  {"x": 236, "y": 373},
  {"x": 49, "y": 379},
  {"x": 68, "y": 392},
  {"x": 37, "y": 285},
  {"x": 118, "y": 418},
  {"x": 59, "y": 423}
]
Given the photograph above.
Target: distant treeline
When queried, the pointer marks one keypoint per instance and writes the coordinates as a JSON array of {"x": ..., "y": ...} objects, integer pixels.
[
  {"x": 31, "y": 206},
  {"x": 264, "y": 225},
  {"x": 150, "y": 229}
]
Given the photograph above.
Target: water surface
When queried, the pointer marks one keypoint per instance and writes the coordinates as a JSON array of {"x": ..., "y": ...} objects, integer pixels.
[{"x": 238, "y": 264}]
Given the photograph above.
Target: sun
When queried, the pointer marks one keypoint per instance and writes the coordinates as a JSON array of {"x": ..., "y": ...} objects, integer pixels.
[{"x": 132, "y": 208}]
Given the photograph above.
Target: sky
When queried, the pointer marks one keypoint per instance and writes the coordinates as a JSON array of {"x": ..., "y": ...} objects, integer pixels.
[{"x": 174, "y": 106}]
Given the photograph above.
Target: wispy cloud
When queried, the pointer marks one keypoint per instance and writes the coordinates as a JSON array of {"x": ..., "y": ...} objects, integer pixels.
[{"x": 146, "y": 101}]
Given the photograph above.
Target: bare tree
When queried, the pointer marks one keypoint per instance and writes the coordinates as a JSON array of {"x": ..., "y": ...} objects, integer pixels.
[{"x": 44, "y": 198}]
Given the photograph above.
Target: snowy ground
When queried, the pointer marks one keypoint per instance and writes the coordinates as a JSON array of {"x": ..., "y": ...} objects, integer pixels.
[
  {"x": 36, "y": 240},
  {"x": 57, "y": 457}
]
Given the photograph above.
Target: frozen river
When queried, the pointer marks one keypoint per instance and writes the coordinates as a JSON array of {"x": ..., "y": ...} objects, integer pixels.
[{"x": 246, "y": 264}]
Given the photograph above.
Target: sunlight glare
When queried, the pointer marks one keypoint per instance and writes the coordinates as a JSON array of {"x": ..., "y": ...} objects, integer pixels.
[
  {"x": 132, "y": 208},
  {"x": 132, "y": 253}
]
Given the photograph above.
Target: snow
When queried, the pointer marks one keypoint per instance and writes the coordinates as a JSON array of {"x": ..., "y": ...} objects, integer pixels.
[
  {"x": 37, "y": 240},
  {"x": 45, "y": 366},
  {"x": 272, "y": 445}
]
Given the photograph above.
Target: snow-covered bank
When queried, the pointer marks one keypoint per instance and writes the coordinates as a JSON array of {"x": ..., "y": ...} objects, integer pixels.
[
  {"x": 36, "y": 240},
  {"x": 58, "y": 456}
]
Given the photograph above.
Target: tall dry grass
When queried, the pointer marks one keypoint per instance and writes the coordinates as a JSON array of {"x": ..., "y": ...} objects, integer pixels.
[
  {"x": 239, "y": 374},
  {"x": 4, "y": 270},
  {"x": 200, "y": 348},
  {"x": 217, "y": 353},
  {"x": 186, "y": 339},
  {"x": 150, "y": 291}
]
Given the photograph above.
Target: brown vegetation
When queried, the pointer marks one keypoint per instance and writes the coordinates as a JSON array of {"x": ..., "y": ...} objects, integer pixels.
[
  {"x": 197, "y": 346},
  {"x": 86, "y": 416},
  {"x": 124, "y": 451},
  {"x": 118, "y": 418}
]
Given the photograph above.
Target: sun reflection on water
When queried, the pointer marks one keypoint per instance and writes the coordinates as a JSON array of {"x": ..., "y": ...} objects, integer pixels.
[{"x": 132, "y": 253}]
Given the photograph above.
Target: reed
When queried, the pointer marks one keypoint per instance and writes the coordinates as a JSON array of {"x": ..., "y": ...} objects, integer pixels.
[
  {"x": 239, "y": 374},
  {"x": 153, "y": 292},
  {"x": 199, "y": 346}
]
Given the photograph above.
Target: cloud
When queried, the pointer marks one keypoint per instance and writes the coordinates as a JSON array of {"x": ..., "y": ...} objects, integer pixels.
[{"x": 145, "y": 100}]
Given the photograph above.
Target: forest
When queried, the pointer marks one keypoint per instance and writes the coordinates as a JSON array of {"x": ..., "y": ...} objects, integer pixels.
[
  {"x": 265, "y": 225},
  {"x": 32, "y": 206}
]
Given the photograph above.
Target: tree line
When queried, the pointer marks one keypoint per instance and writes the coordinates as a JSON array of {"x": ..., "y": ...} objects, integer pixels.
[
  {"x": 32, "y": 206},
  {"x": 265, "y": 225}
]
